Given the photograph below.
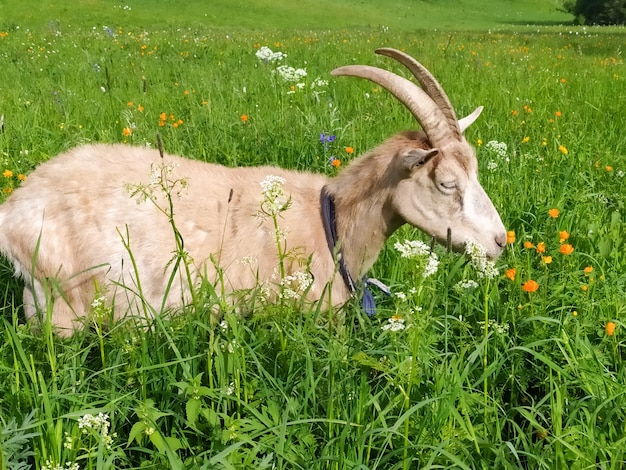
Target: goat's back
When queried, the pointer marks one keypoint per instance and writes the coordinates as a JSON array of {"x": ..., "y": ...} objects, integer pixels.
[{"x": 74, "y": 220}]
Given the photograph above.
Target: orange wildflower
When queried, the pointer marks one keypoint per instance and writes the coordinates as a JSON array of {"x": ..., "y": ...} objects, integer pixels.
[
  {"x": 336, "y": 163},
  {"x": 563, "y": 235},
  {"x": 609, "y": 168},
  {"x": 510, "y": 236},
  {"x": 349, "y": 150},
  {"x": 610, "y": 328},
  {"x": 530, "y": 286},
  {"x": 546, "y": 259},
  {"x": 129, "y": 104},
  {"x": 7, "y": 173},
  {"x": 554, "y": 213},
  {"x": 584, "y": 287},
  {"x": 588, "y": 269},
  {"x": 541, "y": 247},
  {"x": 566, "y": 249},
  {"x": 127, "y": 131},
  {"x": 558, "y": 114},
  {"x": 244, "y": 118},
  {"x": 510, "y": 273},
  {"x": 528, "y": 245},
  {"x": 22, "y": 177}
]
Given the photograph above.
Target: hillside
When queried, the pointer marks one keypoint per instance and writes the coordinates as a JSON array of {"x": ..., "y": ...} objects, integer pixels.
[{"x": 403, "y": 16}]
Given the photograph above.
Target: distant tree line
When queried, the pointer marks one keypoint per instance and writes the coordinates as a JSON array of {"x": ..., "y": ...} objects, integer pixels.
[{"x": 602, "y": 12}]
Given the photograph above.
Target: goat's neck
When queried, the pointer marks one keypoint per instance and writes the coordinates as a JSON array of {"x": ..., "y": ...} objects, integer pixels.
[{"x": 364, "y": 216}]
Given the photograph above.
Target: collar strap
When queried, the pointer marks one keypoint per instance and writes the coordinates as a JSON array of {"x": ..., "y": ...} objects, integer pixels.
[{"x": 329, "y": 220}]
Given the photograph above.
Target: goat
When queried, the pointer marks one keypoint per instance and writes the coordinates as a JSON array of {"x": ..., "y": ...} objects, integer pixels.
[{"x": 72, "y": 231}]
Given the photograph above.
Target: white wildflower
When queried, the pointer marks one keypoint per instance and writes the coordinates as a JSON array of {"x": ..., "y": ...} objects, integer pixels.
[
  {"x": 98, "y": 425},
  {"x": 620, "y": 173},
  {"x": 290, "y": 74},
  {"x": 267, "y": 55},
  {"x": 401, "y": 296},
  {"x": 431, "y": 266},
  {"x": 296, "y": 284},
  {"x": 224, "y": 325},
  {"x": 319, "y": 83},
  {"x": 149, "y": 431},
  {"x": 274, "y": 197},
  {"x": 501, "y": 329},
  {"x": 412, "y": 248},
  {"x": 465, "y": 285},
  {"x": 478, "y": 257},
  {"x": 395, "y": 323},
  {"x": 499, "y": 148},
  {"x": 52, "y": 466},
  {"x": 230, "y": 389},
  {"x": 491, "y": 165}
]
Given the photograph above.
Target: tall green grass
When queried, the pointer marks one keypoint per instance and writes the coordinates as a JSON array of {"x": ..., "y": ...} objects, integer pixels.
[{"x": 489, "y": 376}]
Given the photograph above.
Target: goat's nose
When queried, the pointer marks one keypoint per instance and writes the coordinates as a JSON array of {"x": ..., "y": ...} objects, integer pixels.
[{"x": 501, "y": 240}]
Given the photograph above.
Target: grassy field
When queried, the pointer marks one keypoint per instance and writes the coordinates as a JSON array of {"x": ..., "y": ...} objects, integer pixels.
[{"x": 454, "y": 371}]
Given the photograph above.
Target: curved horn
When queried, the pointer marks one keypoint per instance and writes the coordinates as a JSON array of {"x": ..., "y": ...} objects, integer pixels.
[
  {"x": 429, "y": 84},
  {"x": 423, "y": 108}
]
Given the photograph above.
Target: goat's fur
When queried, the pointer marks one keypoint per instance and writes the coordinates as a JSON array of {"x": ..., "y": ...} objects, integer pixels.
[{"x": 65, "y": 228}]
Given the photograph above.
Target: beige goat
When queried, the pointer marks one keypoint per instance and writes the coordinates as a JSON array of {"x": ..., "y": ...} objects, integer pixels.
[{"x": 65, "y": 229}]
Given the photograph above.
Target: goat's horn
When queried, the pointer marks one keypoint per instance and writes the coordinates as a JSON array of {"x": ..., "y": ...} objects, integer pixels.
[
  {"x": 422, "y": 106},
  {"x": 429, "y": 83}
]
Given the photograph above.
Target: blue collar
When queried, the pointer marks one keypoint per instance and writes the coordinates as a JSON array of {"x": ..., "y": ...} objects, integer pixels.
[{"x": 329, "y": 221}]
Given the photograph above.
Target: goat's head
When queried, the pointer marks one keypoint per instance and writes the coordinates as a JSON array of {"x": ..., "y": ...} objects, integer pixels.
[{"x": 437, "y": 189}]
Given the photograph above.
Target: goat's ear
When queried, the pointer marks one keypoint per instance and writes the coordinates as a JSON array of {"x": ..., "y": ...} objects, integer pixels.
[
  {"x": 468, "y": 120},
  {"x": 416, "y": 158}
]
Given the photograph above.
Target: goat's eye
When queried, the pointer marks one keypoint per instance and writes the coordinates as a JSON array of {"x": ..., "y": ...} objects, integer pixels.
[{"x": 447, "y": 186}]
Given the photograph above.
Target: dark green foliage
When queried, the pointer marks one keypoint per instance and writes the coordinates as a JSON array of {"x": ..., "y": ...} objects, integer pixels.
[{"x": 600, "y": 12}]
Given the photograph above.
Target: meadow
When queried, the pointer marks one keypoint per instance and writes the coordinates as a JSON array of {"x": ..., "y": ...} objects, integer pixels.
[{"x": 525, "y": 369}]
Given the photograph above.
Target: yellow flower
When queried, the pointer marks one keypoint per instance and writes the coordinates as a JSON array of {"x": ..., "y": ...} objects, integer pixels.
[
  {"x": 609, "y": 168},
  {"x": 610, "y": 328},
  {"x": 530, "y": 286},
  {"x": 525, "y": 139},
  {"x": 563, "y": 150},
  {"x": 510, "y": 236},
  {"x": 528, "y": 245},
  {"x": 563, "y": 235},
  {"x": 510, "y": 273},
  {"x": 554, "y": 213},
  {"x": 7, "y": 173},
  {"x": 541, "y": 247},
  {"x": 588, "y": 269}
]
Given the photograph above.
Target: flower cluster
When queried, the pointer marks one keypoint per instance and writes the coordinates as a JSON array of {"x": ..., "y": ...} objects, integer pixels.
[
  {"x": 395, "y": 323},
  {"x": 296, "y": 284},
  {"x": 478, "y": 257},
  {"x": 265, "y": 54},
  {"x": 499, "y": 148},
  {"x": 164, "y": 118},
  {"x": 416, "y": 249},
  {"x": 274, "y": 198},
  {"x": 52, "y": 466},
  {"x": 98, "y": 425},
  {"x": 290, "y": 74}
]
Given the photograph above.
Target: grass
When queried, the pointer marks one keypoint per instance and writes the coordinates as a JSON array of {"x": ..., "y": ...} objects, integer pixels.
[{"x": 489, "y": 376}]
